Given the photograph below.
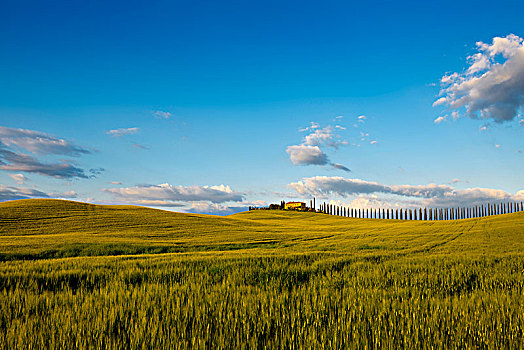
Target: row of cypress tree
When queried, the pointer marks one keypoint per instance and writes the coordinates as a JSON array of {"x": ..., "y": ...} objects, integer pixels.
[{"x": 424, "y": 213}]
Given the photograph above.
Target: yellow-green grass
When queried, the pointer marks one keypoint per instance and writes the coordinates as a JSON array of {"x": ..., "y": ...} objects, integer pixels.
[
  {"x": 54, "y": 228},
  {"x": 76, "y": 275}
]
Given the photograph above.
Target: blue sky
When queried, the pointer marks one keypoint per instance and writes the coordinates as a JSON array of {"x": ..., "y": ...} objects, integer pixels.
[{"x": 199, "y": 106}]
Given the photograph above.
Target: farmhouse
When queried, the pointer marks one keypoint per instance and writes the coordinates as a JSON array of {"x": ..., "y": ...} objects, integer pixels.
[{"x": 295, "y": 206}]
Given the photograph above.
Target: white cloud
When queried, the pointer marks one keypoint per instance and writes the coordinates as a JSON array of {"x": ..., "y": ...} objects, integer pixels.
[
  {"x": 371, "y": 202},
  {"x": 38, "y": 142},
  {"x": 67, "y": 194},
  {"x": 362, "y": 118},
  {"x": 373, "y": 142},
  {"x": 497, "y": 146},
  {"x": 307, "y": 155},
  {"x": 155, "y": 203},
  {"x": 116, "y": 183},
  {"x": 123, "y": 131},
  {"x": 426, "y": 195},
  {"x": 167, "y": 192},
  {"x": 440, "y": 120},
  {"x": 483, "y": 128},
  {"x": 313, "y": 126},
  {"x": 309, "y": 151},
  {"x": 324, "y": 137},
  {"x": 162, "y": 115},
  {"x": 492, "y": 87},
  {"x": 18, "y": 178},
  {"x": 215, "y": 208}
]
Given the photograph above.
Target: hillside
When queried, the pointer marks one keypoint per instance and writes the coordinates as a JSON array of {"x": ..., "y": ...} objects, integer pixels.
[
  {"x": 89, "y": 276},
  {"x": 45, "y": 228}
]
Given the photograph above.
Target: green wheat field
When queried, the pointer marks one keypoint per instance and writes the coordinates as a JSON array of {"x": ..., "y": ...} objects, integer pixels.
[{"x": 76, "y": 275}]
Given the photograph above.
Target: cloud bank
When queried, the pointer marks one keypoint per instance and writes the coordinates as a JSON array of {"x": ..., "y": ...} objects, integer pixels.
[
  {"x": 172, "y": 194},
  {"x": 492, "y": 87},
  {"x": 427, "y": 195}
]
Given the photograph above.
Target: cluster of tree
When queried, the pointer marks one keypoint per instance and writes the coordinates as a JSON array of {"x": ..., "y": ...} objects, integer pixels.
[
  {"x": 270, "y": 207},
  {"x": 424, "y": 213}
]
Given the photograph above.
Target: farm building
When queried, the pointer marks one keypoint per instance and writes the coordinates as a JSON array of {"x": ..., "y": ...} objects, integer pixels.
[{"x": 295, "y": 206}]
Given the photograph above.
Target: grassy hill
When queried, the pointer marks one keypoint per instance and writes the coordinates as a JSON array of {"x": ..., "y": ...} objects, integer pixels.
[
  {"x": 76, "y": 275},
  {"x": 46, "y": 228}
]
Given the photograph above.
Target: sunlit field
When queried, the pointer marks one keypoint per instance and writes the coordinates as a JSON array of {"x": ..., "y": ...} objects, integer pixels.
[{"x": 76, "y": 275}]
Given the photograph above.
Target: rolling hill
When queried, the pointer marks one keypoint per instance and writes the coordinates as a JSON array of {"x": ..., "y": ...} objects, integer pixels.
[
  {"x": 45, "y": 228},
  {"x": 77, "y": 275}
]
